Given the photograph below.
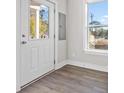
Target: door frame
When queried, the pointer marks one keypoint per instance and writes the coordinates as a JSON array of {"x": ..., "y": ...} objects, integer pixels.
[{"x": 18, "y": 40}]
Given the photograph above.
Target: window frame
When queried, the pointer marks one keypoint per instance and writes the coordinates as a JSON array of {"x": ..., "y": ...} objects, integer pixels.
[{"x": 87, "y": 50}]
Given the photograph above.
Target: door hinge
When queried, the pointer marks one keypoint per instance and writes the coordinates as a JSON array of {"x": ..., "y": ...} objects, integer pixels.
[
  {"x": 54, "y": 36},
  {"x": 54, "y": 10},
  {"x": 54, "y": 61}
]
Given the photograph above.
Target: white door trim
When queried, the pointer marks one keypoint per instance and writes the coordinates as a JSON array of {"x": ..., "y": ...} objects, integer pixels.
[{"x": 18, "y": 40}]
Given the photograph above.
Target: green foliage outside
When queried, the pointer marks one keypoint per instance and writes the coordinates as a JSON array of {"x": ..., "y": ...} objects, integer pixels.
[
  {"x": 32, "y": 26},
  {"x": 100, "y": 33},
  {"x": 43, "y": 28}
]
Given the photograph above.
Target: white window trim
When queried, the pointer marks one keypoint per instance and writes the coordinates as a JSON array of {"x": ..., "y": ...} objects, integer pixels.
[
  {"x": 85, "y": 37},
  {"x": 96, "y": 52}
]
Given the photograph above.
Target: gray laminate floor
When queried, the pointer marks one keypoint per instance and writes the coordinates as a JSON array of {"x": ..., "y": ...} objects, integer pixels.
[{"x": 71, "y": 79}]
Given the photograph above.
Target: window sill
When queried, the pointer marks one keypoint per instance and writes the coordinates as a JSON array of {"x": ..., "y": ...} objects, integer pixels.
[{"x": 96, "y": 52}]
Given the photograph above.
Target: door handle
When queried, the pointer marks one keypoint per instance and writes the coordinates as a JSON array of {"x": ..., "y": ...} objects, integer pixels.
[
  {"x": 24, "y": 42},
  {"x": 23, "y": 35}
]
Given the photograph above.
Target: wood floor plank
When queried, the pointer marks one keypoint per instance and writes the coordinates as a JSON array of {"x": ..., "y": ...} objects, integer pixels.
[{"x": 71, "y": 79}]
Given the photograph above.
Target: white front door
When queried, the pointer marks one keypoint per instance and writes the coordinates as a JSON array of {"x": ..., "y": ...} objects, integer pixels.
[{"x": 37, "y": 39}]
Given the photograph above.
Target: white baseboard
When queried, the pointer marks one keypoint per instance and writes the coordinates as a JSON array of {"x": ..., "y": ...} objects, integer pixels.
[
  {"x": 61, "y": 64},
  {"x": 17, "y": 89},
  {"x": 87, "y": 65},
  {"x": 81, "y": 64}
]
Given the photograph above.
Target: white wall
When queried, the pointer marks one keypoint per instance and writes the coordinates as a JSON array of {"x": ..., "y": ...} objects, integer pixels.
[
  {"x": 75, "y": 35},
  {"x": 62, "y": 44},
  {"x": 62, "y": 6}
]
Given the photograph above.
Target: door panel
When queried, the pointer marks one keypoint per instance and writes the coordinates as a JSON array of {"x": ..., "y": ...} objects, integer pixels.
[
  {"x": 34, "y": 58},
  {"x": 37, "y": 39}
]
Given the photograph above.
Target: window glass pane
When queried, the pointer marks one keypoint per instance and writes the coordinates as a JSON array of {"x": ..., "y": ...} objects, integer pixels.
[
  {"x": 44, "y": 21},
  {"x": 62, "y": 26},
  {"x": 98, "y": 25},
  {"x": 32, "y": 23},
  {"x": 39, "y": 21}
]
